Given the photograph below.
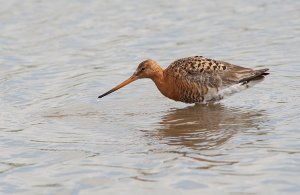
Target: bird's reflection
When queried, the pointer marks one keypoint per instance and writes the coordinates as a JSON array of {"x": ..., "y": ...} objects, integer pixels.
[{"x": 205, "y": 126}]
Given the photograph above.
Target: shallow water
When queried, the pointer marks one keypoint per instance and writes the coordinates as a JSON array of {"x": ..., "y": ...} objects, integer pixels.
[{"x": 58, "y": 56}]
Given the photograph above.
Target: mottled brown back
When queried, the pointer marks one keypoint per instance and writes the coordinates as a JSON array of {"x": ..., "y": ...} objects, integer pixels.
[{"x": 198, "y": 76}]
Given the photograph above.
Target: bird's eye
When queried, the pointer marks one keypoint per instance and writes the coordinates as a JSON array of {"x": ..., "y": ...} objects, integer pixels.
[{"x": 142, "y": 69}]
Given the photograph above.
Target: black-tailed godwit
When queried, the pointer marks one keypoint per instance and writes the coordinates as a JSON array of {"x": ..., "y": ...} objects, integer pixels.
[{"x": 195, "y": 79}]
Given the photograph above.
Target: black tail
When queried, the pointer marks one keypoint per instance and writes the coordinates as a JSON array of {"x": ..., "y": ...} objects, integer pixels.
[{"x": 258, "y": 74}]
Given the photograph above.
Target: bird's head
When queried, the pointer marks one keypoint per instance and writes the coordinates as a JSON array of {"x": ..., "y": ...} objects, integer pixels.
[{"x": 146, "y": 69}]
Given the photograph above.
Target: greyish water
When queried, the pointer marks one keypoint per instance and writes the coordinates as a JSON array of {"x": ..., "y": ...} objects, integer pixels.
[{"x": 56, "y": 57}]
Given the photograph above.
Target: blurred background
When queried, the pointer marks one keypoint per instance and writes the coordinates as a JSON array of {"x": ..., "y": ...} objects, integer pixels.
[{"x": 56, "y": 57}]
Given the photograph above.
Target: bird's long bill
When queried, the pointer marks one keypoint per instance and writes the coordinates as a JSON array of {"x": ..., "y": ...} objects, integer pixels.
[{"x": 131, "y": 79}]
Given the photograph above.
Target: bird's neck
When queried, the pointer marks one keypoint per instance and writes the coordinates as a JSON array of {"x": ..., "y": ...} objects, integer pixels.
[
  {"x": 160, "y": 81},
  {"x": 158, "y": 77}
]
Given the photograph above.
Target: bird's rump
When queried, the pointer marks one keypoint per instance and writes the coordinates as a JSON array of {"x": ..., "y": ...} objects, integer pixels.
[{"x": 236, "y": 74}]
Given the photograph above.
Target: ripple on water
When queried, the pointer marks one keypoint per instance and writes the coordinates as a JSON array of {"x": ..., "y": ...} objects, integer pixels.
[{"x": 57, "y": 57}]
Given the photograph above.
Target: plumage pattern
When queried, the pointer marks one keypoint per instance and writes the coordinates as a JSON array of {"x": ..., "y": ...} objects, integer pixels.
[
  {"x": 195, "y": 79},
  {"x": 200, "y": 79}
]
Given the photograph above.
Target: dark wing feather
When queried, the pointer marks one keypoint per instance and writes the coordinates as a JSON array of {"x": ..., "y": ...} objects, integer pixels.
[{"x": 211, "y": 73}]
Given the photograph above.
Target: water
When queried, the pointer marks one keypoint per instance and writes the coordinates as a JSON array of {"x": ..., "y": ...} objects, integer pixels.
[{"x": 56, "y": 57}]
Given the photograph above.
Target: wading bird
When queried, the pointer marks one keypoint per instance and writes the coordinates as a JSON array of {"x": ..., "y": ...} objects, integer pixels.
[{"x": 195, "y": 79}]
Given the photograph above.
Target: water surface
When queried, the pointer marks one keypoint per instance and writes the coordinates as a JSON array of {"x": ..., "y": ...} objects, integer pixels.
[{"x": 58, "y": 56}]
